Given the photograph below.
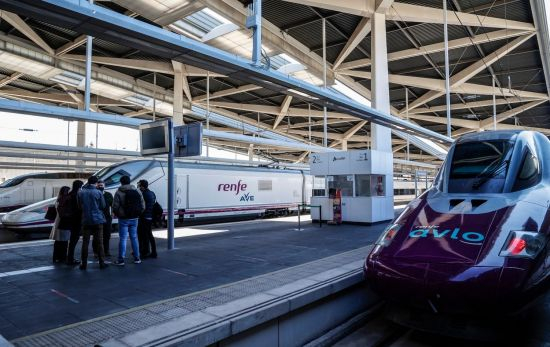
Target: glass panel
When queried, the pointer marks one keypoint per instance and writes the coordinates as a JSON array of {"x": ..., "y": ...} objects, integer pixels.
[
  {"x": 341, "y": 182},
  {"x": 479, "y": 167},
  {"x": 265, "y": 185},
  {"x": 133, "y": 169},
  {"x": 362, "y": 185},
  {"x": 319, "y": 186},
  {"x": 528, "y": 175},
  {"x": 377, "y": 185}
]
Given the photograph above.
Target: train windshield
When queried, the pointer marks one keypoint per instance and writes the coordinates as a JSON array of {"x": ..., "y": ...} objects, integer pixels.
[
  {"x": 480, "y": 167},
  {"x": 12, "y": 182},
  {"x": 111, "y": 174}
]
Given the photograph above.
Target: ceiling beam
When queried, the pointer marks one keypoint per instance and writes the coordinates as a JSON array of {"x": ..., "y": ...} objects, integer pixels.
[
  {"x": 145, "y": 65},
  {"x": 284, "y": 110},
  {"x": 275, "y": 110},
  {"x": 439, "y": 47},
  {"x": 414, "y": 13},
  {"x": 227, "y": 92},
  {"x": 361, "y": 31},
  {"x": 348, "y": 134},
  {"x": 463, "y": 123},
  {"x": 437, "y": 85},
  {"x": 26, "y": 30},
  {"x": 488, "y": 123},
  {"x": 467, "y": 73},
  {"x": 7, "y": 80},
  {"x": 69, "y": 46},
  {"x": 466, "y": 105}
]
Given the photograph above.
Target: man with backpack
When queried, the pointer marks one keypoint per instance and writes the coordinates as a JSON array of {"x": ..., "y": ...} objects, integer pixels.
[
  {"x": 145, "y": 232},
  {"x": 91, "y": 203},
  {"x": 128, "y": 205}
]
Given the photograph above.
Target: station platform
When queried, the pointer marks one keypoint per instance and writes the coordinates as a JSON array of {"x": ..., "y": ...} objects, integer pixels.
[{"x": 211, "y": 269}]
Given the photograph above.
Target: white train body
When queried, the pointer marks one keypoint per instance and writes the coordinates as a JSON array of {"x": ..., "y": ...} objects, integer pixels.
[
  {"x": 27, "y": 189},
  {"x": 203, "y": 191},
  {"x": 214, "y": 190}
]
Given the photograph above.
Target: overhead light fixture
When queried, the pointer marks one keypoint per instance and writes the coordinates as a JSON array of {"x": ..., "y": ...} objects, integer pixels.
[
  {"x": 294, "y": 91},
  {"x": 70, "y": 78},
  {"x": 139, "y": 100}
]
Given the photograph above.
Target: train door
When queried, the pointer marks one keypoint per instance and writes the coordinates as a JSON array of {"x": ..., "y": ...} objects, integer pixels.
[
  {"x": 28, "y": 192},
  {"x": 182, "y": 198}
]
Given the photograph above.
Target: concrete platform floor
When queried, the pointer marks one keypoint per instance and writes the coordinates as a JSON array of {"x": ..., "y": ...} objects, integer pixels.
[{"x": 36, "y": 296}]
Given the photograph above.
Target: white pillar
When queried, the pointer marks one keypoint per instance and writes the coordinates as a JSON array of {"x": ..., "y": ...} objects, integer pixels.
[
  {"x": 178, "y": 94},
  {"x": 251, "y": 152},
  {"x": 380, "y": 135},
  {"x": 81, "y": 134}
]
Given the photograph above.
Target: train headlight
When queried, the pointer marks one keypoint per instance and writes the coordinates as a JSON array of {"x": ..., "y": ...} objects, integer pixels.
[
  {"x": 388, "y": 235},
  {"x": 523, "y": 244}
]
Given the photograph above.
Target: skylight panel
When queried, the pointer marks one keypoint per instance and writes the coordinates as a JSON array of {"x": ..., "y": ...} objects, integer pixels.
[{"x": 200, "y": 23}]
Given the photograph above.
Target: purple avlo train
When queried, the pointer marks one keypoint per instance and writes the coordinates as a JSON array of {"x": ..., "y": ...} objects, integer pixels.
[{"x": 478, "y": 240}]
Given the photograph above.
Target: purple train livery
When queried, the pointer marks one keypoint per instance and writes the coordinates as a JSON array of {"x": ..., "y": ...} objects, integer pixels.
[{"x": 478, "y": 240}]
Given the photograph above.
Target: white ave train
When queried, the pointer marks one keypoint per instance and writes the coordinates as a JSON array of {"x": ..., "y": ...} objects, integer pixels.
[
  {"x": 203, "y": 191},
  {"x": 27, "y": 189}
]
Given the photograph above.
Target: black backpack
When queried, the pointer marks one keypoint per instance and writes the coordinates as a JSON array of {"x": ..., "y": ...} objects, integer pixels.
[
  {"x": 157, "y": 212},
  {"x": 132, "y": 204}
]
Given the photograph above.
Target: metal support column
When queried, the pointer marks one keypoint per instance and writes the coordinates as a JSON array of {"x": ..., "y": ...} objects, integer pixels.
[
  {"x": 88, "y": 70},
  {"x": 494, "y": 106},
  {"x": 171, "y": 186},
  {"x": 207, "y": 112},
  {"x": 407, "y": 117},
  {"x": 325, "y": 129},
  {"x": 447, "y": 84},
  {"x": 254, "y": 21}
]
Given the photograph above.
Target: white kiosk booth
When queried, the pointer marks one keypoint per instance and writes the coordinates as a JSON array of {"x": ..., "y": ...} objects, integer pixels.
[{"x": 364, "y": 178}]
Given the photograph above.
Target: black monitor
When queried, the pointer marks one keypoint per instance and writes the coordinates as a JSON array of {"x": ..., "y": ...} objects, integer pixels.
[{"x": 154, "y": 137}]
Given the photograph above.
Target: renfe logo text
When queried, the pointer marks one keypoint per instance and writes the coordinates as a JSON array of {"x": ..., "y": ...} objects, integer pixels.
[{"x": 232, "y": 187}]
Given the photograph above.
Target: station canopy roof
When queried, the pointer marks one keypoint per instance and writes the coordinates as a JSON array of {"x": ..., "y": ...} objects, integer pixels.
[{"x": 489, "y": 40}]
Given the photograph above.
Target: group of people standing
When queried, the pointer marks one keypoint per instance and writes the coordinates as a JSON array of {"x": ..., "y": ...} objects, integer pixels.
[{"x": 87, "y": 210}]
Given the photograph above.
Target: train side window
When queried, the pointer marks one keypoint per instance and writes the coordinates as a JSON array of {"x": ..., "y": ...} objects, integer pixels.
[
  {"x": 529, "y": 174},
  {"x": 265, "y": 185}
]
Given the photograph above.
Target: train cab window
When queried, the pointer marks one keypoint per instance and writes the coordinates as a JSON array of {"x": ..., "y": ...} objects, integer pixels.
[
  {"x": 12, "y": 182},
  {"x": 529, "y": 173},
  {"x": 479, "y": 167}
]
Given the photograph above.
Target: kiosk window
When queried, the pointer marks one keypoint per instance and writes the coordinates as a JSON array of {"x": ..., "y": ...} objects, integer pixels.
[
  {"x": 319, "y": 186},
  {"x": 377, "y": 185},
  {"x": 362, "y": 185},
  {"x": 343, "y": 183}
]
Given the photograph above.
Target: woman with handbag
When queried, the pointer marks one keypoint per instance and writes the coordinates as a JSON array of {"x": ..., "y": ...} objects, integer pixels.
[{"x": 61, "y": 230}]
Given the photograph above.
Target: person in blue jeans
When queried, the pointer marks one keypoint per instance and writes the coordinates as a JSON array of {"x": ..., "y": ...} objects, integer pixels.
[{"x": 128, "y": 205}]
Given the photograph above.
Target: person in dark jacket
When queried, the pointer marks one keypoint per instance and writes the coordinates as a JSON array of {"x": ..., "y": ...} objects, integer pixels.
[
  {"x": 125, "y": 199},
  {"x": 145, "y": 232},
  {"x": 107, "y": 226},
  {"x": 62, "y": 226},
  {"x": 75, "y": 221},
  {"x": 91, "y": 202}
]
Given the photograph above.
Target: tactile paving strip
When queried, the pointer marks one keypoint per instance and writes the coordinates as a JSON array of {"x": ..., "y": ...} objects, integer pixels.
[{"x": 94, "y": 331}]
